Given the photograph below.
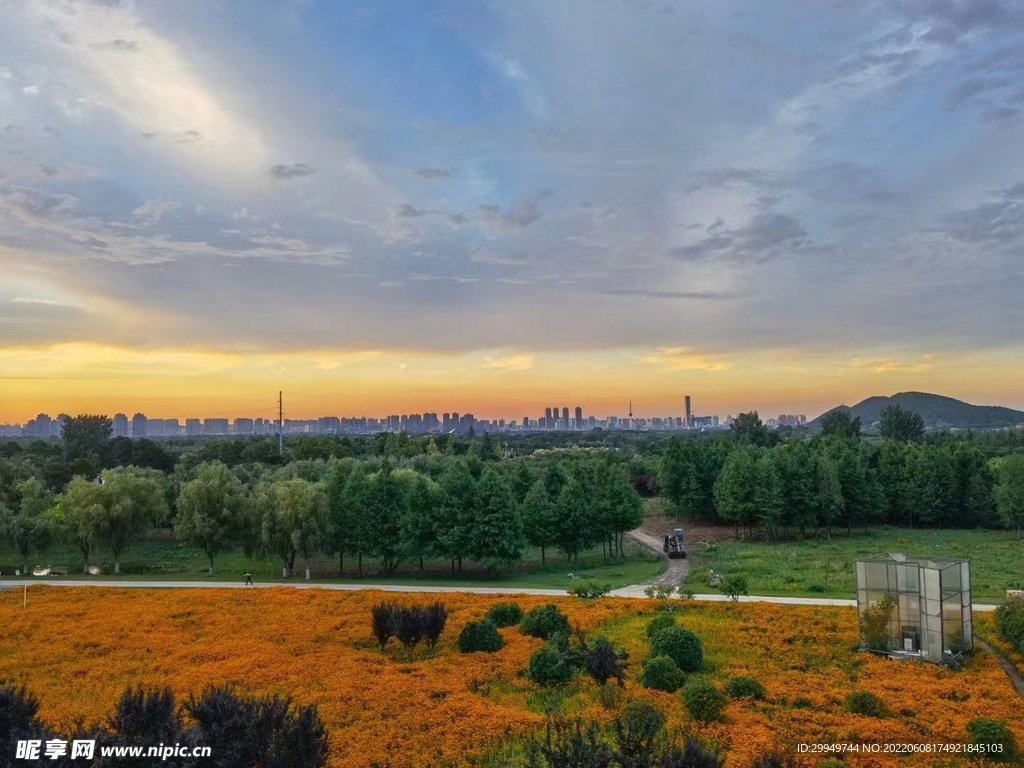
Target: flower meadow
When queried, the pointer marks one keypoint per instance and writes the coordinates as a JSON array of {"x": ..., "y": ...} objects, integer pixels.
[{"x": 77, "y": 649}]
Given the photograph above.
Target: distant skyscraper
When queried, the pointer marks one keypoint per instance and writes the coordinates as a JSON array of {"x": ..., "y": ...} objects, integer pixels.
[
  {"x": 446, "y": 422},
  {"x": 139, "y": 425},
  {"x": 243, "y": 426},
  {"x": 455, "y": 421},
  {"x": 547, "y": 418},
  {"x": 579, "y": 418},
  {"x": 565, "y": 418},
  {"x": 526, "y": 422},
  {"x": 193, "y": 427},
  {"x": 120, "y": 424},
  {"x": 688, "y": 413}
]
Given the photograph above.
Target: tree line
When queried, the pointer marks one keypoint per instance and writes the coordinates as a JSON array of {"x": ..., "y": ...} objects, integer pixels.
[
  {"x": 836, "y": 479},
  {"x": 454, "y": 508}
]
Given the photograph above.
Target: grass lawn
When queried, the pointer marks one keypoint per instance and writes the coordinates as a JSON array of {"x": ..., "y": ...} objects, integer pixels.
[
  {"x": 167, "y": 560},
  {"x": 820, "y": 567}
]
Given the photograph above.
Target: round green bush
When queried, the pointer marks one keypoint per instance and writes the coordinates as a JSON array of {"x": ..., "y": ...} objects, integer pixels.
[
  {"x": 740, "y": 687},
  {"x": 982, "y": 730},
  {"x": 544, "y": 622},
  {"x": 680, "y": 645},
  {"x": 1010, "y": 622},
  {"x": 662, "y": 674},
  {"x": 659, "y": 622},
  {"x": 865, "y": 703},
  {"x": 703, "y": 701},
  {"x": 480, "y": 636},
  {"x": 548, "y": 667},
  {"x": 505, "y": 614}
]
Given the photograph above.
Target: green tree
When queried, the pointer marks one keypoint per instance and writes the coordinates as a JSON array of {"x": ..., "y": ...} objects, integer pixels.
[
  {"x": 385, "y": 507},
  {"x": 768, "y": 494},
  {"x": 30, "y": 528},
  {"x": 795, "y": 465},
  {"x": 573, "y": 517},
  {"x": 417, "y": 532},
  {"x": 678, "y": 477},
  {"x": 736, "y": 488},
  {"x": 840, "y": 423},
  {"x": 619, "y": 505},
  {"x": 294, "y": 520},
  {"x": 133, "y": 501},
  {"x": 748, "y": 427},
  {"x": 86, "y": 437},
  {"x": 497, "y": 537},
  {"x": 829, "y": 493},
  {"x": 1009, "y": 491},
  {"x": 457, "y": 513},
  {"x": 521, "y": 480},
  {"x": 346, "y": 504},
  {"x": 79, "y": 514},
  {"x": 211, "y": 509},
  {"x": 899, "y": 424},
  {"x": 540, "y": 519},
  {"x": 934, "y": 492}
]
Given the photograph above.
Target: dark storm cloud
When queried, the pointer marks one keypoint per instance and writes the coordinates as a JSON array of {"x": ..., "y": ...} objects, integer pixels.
[{"x": 768, "y": 234}]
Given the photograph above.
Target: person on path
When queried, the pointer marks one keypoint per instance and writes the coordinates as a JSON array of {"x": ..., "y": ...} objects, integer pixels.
[{"x": 248, "y": 579}]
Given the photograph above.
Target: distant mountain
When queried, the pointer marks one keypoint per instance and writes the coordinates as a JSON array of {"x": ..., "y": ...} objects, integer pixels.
[{"x": 937, "y": 411}]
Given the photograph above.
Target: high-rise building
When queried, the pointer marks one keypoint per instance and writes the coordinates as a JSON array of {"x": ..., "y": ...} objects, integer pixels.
[
  {"x": 455, "y": 421},
  {"x": 244, "y": 426},
  {"x": 565, "y": 418},
  {"x": 139, "y": 425},
  {"x": 193, "y": 427},
  {"x": 579, "y": 418},
  {"x": 215, "y": 426},
  {"x": 446, "y": 422},
  {"x": 548, "y": 424},
  {"x": 526, "y": 422},
  {"x": 120, "y": 424},
  {"x": 689, "y": 414}
]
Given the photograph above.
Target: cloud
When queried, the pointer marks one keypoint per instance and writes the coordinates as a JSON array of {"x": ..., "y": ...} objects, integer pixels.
[
  {"x": 151, "y": 212},
  {"x": 767, "y": 235},
  {"x": 30, "y": 90},
  {"x": 523, "y": 213},
  {"x": 432, "y": 173},
  {"x": 34, "y": 301},
  {"x": 684, "y": 359},
  {"x": 296, "y": 171},
  {"x": 487, "y": 256},
  {"x": 649, "y": 294},
  {"x": 509, "y": 362}
]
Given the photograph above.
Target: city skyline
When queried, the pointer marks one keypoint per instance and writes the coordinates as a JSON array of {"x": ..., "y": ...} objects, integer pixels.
[{"x": 420, "y": 203}]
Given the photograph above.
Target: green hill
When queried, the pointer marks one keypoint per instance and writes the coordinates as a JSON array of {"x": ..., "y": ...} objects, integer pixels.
[{"x": 937, "y": 411}]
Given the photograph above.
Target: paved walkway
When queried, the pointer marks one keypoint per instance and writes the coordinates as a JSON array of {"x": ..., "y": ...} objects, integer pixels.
[{"x": 636, "y": 590}]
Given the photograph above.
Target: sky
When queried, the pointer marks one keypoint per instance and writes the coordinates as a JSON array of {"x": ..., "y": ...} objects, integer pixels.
[{"x": 496, "y": 207}]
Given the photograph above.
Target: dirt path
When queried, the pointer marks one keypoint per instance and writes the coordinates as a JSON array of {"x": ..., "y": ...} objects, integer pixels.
[
  {"x": 677, "y": 569},
  {"x": 1008, "y": 668}
]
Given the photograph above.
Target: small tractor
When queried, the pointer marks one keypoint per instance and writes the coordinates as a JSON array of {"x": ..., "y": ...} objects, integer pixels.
[{"x": 673, "y": 544}]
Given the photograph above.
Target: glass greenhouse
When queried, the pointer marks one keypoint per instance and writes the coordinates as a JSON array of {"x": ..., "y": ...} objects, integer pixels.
[{"x": 915, "y": 607}]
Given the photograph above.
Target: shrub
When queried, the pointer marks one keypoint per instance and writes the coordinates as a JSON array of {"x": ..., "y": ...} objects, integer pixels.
[
  {"x": 744, "y": 688},
  {"x": 384, "y": 622},
  {"x": 433, "y": 618},
  {"x": 258, "y": 731},
  {"x": 588, "y": 589},
  {"x": 603, "y": 661},
  {"x": 734, "y": 586},
  {"x": 408, "y": 626},
  {"x": 548, "y": 666},
  {"x": 802, "y": 702},
  {"x": 480, "y": 636},
  {"x": 18, "y": 709},
  {"x": 659, "y": 591},
  {"x": 147, "y": 717},
  {"x": 680, "y": 645},
  {"x": 1010, "y": 622},
  {"x": 636, "y": 733},
  {"x": 662, "y": 674},
  {"x": 505, "y": 614},
  {"x": 815, "y": 587},
  {"x": 660, "y": 621},
  {"x": 703, "y": 701},
  {"x": 544, "y": 622},
  {"x": 865, "y": 703},
  {"x": 982, "y": 730}
]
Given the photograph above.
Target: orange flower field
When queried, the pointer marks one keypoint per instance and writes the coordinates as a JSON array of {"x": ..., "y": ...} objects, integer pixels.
[{"x": 77, "y": 649}]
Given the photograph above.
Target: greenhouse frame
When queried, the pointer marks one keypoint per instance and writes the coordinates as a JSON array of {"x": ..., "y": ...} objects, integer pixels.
[{"x": 912, "y": 607}]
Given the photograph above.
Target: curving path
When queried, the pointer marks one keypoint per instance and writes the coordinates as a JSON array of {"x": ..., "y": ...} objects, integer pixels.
[{"x": 677, "y": 569}]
